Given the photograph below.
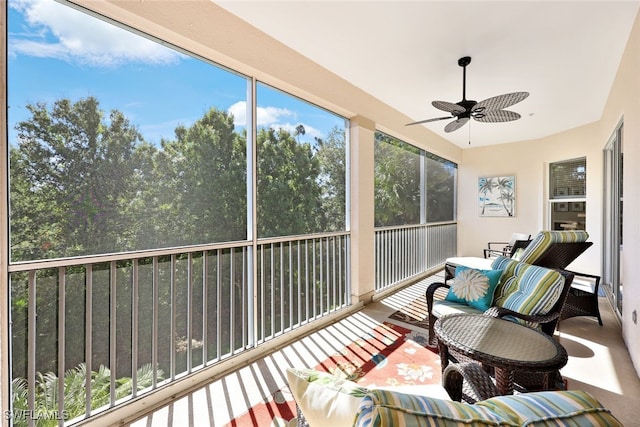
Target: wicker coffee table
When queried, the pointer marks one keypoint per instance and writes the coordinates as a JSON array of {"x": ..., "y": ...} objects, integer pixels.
[{"x": 506, "y": 346}]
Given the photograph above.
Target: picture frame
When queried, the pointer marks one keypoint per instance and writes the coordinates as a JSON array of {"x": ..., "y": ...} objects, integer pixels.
[
  {"x": 497, "y": 196},
  {"x": 561, "y": 207}
]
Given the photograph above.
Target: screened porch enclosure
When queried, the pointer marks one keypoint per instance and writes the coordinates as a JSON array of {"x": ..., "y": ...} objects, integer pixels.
[{"x": 147, "y": 249}]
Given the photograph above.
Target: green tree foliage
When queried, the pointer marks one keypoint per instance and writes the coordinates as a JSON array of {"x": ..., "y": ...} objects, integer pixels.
[
  {"x": 84, "y": 182},
  {"x": 202, "y": 183},
  {"x": 397, "y": 182},
  {"x": 331, "y": 154},
  {"x": 75, "y": 390},
  {"x": 440, "y": 190},
  {"x": 288, "y": 191},
  {"x": 398, "y": 186},
  {"x": 82, "y": 173}
]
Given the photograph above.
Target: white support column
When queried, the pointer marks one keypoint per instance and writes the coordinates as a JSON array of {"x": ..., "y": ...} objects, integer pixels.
[{"x": 362, "y": 209}]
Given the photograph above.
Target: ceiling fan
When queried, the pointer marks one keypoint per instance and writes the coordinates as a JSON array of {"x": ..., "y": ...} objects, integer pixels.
[{"x": 491, "y": 110}]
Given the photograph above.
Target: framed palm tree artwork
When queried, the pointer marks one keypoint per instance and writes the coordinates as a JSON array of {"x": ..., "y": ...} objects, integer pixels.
[{"x": 497, "y": 196}]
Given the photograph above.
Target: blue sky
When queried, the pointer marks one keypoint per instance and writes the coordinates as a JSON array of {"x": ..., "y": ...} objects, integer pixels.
[{"x": 58, "y": 52}]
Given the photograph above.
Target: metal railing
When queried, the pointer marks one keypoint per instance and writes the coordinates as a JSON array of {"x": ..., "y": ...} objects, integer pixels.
[
  {"x": 122, "y": 325},
  {"x": 404, "y": 252},
  {"x": 118, "y": 326}
]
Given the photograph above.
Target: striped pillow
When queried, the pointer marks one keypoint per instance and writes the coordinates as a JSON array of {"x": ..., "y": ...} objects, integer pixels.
[
  {"x": 392, "y": 408},
  {"x": 532, "y": 290},
  {"x": 508, "y": 267},
  {"x": 552, "y": 408},
  {"x": 544, "y": 239}
]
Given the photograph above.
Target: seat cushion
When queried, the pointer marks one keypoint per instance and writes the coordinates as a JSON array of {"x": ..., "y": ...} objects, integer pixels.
[
  {"x": 471, "y": 262},
  {"x": 442, "y": 308}
]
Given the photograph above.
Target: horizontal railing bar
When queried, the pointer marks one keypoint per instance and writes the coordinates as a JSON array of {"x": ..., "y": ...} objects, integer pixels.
[
  {"x": 128, "y": 256},
  {"x": 295, "y": 238},
  {"x": 121, "y": 256},
  {"x": 409, "y": 226}
]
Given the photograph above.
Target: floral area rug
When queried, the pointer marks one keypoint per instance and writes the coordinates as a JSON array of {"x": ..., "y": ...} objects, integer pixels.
[
  {"x": 389, "y": 355},
  {"x": 415, "y": 313}
]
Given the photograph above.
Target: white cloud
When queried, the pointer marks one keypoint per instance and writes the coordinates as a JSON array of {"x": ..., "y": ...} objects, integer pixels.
[
  {"x": 271, "y": 117},
  {"x": 267, "y": 116},
  {"x": 239, "y": 112},
  {"x": 73, "y": 36}
]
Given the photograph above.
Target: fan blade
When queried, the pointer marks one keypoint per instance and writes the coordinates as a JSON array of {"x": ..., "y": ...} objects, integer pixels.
[
  {"x": 498, "y": 116},
  {"x": 456, "y": 124},
  {"x": 501, "y": 101},
  {"x": 449, "y": 107},
  {"x": 428, "y": 120}
]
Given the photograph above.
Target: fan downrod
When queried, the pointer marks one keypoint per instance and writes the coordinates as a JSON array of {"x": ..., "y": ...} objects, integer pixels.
[{"x": 467, "y": 105}]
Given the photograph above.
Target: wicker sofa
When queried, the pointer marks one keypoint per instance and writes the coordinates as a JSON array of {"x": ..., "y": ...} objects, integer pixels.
[{"x": 325, "y": 400}]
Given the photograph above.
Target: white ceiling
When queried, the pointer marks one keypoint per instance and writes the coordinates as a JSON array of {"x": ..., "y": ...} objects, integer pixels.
[{"x": 405, "y": 53}]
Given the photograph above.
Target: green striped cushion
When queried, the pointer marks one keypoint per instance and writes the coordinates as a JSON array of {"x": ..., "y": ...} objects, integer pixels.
[
  {"x": 549, "y": 408},
  {"x": 545, "y": 238},
  {"x": 532, "y": 290},
  {"x": 556, "y": 408},
  {"x": 508, "y": 267},
  {"x": 392, "y": 408}
]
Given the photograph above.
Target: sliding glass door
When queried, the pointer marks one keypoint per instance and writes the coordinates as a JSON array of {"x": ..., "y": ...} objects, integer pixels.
[{"x": 612, "y": 217}]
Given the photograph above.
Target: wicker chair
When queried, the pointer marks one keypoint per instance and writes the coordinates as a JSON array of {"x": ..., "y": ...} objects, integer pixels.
[
  {"x": 583, "y": 300},
  {"x": 518, "y": 241},
  {"x": 523, "y": 380},
  {"x": 547, "y": 323},
  {"x": 468, "y": 382}
]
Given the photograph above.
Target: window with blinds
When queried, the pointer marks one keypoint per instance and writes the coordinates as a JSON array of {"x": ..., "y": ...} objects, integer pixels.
[{"x": 567, "y": 194}]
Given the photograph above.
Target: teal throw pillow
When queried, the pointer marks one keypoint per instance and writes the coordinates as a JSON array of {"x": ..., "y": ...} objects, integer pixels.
[{"x": 473, "y": 287}]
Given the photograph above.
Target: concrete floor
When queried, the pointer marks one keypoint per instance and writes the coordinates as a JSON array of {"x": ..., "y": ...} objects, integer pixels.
[{"x": 598, "y": 363}]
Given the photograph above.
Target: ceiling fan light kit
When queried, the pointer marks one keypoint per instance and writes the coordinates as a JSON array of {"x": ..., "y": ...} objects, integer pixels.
[{"x": 491, "y": 110}]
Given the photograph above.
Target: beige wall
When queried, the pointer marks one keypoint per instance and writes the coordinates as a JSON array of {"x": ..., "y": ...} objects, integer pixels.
[
  {"x": 624, "y": 101},
  {"x": 528, "y": 162}
]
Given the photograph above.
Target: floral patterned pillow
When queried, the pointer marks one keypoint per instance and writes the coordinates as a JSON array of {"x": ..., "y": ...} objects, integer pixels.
[
  {"x": 325, "y": 399},
  {"x": 474, "y": 288}
]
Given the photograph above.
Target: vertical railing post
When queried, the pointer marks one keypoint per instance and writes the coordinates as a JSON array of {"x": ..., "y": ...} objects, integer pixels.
[
  {"x": 88, "y": 336},
  {"x": 61, "y": 341}
]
